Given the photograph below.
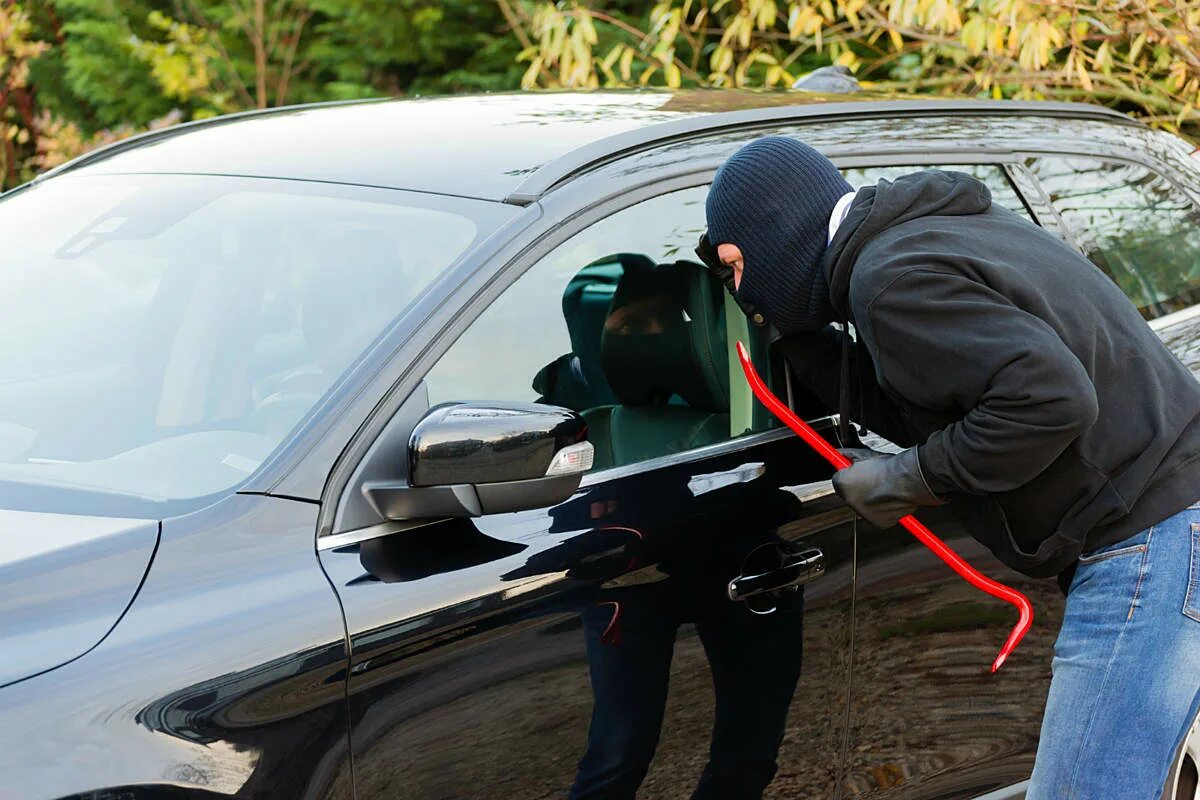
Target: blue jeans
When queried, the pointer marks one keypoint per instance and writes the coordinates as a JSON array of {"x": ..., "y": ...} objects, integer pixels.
[{"x": 1126, "y": 668}]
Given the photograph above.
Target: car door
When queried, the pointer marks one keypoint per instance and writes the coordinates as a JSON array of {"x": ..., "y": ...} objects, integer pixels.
[
  {"x": 927, "y": 718},
  {"x": 591, "y": 649}
]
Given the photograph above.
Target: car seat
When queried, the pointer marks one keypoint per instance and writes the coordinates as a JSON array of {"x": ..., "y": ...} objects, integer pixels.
[
  {"x": 576, "y": 380},
  {"x": 664, "y": 357}
]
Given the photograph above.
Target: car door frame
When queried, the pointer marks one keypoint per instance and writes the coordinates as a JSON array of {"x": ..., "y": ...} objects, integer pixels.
[
  {"x": 555, "y": 218},
  {"x": 574, "y": 211}
]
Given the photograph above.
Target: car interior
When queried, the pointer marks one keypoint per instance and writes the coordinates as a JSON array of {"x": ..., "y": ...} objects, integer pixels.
[{"x": 650, "y": 366}]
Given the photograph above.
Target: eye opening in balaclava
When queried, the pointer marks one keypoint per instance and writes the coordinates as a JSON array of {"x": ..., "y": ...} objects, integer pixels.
[{"x": 773, "y": 199}]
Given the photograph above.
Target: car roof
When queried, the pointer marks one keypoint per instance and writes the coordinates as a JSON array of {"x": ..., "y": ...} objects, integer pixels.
[{"x": 507, "y": 147}]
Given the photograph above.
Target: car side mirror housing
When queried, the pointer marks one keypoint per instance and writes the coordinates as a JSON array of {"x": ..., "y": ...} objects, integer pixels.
[{"x": 471, "y": 459}]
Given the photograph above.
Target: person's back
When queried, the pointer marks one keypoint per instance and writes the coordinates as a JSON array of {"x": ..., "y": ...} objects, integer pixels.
[
  {"x": 1021, "y": 379},
  {"x": 912, "y": 267}
]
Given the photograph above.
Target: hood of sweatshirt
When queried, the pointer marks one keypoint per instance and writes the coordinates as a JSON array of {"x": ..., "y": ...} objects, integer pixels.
[{"x": 887, "y": 204}]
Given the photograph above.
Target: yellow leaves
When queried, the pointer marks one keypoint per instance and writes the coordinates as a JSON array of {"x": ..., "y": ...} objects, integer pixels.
[
  {"x": 1001, "y": 48},
  {"x": 804, "y": 20},
  {"x": 672, "y": 75},
  {"x": 974, "y": 35},
  {"x": 1102, "y": 60},
  {"x": 940, "y": 16},
  {"x": 529, "y": 80},
  {"x": 1135, "y": 48},
  {"x": 740, "y": 29},
  {"x": 585, "y": 29},
  {"x": 764, "y": 13},
  {"x": 16, "y": 45},
  {"x": 627, "y": 63},
  {"x": 666, "y": 22},
  {"x": 563, "y": 55},
  {"x": 1038, "y": 40},
  {"x": 721, "y": 59},
  {"x": 849, "y": 9},
  {"x": 1084, "y": 79},
  {"x": 180, "y": 65},
  {"x": 1075, "y": 68},
  {"x": 1177, "y": 74},
  {"x": 847, "y": 59}
]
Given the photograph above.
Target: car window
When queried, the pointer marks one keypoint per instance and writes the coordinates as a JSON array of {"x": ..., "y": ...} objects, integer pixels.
[
  {"x": 992, "y": 175},
  {"x": 161, "y": 335},
  {"x": 1132, "y": 223},
  {"x": 620, "y": 323}
]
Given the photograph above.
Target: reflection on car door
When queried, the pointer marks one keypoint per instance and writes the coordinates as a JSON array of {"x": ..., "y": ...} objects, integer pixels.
[{"x": 592, "y": 649}]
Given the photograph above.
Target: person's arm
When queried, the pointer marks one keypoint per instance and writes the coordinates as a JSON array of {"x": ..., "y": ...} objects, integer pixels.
[
  {"x": 953, "y": 345},
  {"x": 816, "y": 362}
]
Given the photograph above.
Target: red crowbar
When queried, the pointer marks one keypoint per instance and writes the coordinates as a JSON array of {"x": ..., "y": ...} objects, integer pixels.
[{"x": 923, "y": 534}]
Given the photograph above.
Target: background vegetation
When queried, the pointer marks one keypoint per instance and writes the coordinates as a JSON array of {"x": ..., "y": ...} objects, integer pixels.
[{"x": 78, "y": 73}]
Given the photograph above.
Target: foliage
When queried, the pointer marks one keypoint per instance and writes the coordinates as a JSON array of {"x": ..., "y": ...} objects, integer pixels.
[
  {"x": 75, "y": 73},
  {"x": 1139, "y": 55},
  {"x": 18, "y": 123},
  {"x": 78, "y": 73}
]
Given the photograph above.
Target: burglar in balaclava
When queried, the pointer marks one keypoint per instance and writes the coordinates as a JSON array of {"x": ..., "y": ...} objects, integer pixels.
[{"x": 1031, "y": 396}]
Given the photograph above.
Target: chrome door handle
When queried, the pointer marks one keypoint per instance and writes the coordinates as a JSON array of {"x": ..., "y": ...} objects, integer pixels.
[{"x": 792, "y": 569}]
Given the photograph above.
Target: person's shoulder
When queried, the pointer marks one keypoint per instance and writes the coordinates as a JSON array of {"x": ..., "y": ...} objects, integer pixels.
[{"x": 885, "y": 262}]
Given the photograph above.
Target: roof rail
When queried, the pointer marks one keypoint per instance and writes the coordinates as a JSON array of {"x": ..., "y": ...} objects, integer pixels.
[
  {"x": 148, "y": 137},
  {"x": 603, "y": 151}
]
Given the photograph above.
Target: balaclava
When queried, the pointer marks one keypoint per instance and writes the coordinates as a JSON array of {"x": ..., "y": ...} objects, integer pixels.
[{"x": 772, "y": 199}]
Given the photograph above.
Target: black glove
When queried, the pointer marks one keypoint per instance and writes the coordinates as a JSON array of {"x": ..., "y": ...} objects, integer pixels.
[{"x": 883, "y": 487}]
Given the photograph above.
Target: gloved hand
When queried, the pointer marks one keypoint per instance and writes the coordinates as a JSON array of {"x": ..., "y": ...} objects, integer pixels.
[{"x": 883, "y": 487}]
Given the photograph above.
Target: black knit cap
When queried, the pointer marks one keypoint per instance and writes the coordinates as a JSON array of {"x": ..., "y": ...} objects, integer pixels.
[{"x": 773, "y": 199}]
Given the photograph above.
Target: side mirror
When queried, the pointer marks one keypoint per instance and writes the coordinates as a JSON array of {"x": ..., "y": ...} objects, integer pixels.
[{"x": 471, "y": 459}]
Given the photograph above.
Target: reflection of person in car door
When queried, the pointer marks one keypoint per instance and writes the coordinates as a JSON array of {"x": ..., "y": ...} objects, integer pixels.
[
  {"x": 1028, "y": 390},
  {"x": 630, "y": 631}
]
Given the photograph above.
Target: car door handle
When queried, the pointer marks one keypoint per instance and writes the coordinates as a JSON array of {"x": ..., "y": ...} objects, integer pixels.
[{"x": 794, "y": 569}]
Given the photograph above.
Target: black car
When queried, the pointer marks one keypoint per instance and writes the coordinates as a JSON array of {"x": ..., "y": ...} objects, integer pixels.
[{"x": 295, "y": 411}]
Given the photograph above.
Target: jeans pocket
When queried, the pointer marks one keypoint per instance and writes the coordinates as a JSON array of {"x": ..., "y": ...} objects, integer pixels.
[
  {"x": 1122, "y": 548},
  {"x": 1191, "y": 601}
]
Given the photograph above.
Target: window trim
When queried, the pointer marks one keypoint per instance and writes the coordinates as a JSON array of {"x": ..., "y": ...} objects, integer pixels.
[
  {"x": 686, "y": 456},
  {"x": 499, "y": 273}
]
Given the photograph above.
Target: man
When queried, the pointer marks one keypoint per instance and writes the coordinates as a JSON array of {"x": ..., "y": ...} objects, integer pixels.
[{"x": 1032, "y": 397}]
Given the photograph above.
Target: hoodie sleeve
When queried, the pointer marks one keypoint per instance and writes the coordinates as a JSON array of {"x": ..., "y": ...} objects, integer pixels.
[{"x": 957, "y": 348}]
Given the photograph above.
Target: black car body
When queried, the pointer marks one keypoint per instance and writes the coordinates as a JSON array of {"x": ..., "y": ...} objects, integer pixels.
[{"x": 215, "y": 577}]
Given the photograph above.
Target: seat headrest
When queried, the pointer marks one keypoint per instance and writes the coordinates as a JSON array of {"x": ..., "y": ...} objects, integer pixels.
[
  {"x": 665, "y": 335},
  {"x": 587, "y": 298}
]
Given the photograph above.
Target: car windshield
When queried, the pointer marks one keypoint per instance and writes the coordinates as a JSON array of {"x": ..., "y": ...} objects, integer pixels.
[{"x": 160, "y": 335}]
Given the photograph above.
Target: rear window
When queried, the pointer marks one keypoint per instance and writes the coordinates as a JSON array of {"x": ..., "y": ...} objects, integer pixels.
[{"x": 1133, "y": 223}]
